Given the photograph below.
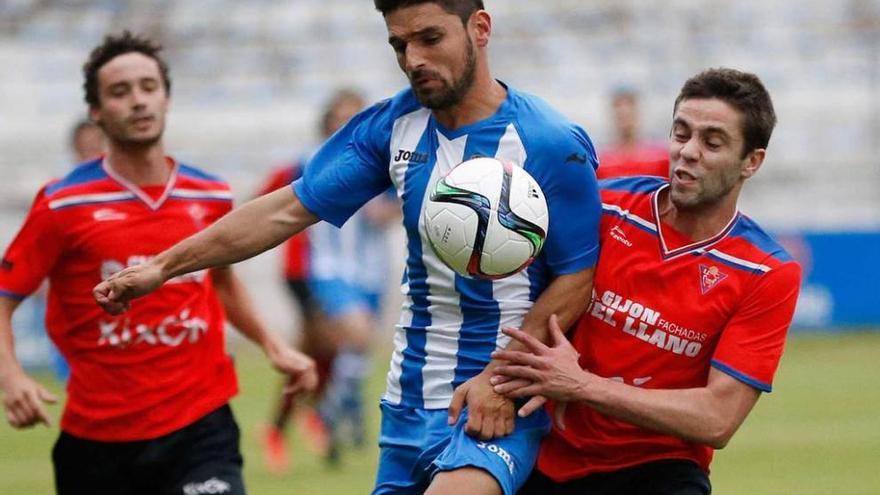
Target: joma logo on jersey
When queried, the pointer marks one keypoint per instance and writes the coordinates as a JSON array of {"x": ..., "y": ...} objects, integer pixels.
[
  {"x": 503, "y": 454},
  {"x": 411, "y": 156}
]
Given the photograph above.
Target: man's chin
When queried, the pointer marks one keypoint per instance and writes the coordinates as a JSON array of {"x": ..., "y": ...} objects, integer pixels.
[{"x": 142, "y": 140}]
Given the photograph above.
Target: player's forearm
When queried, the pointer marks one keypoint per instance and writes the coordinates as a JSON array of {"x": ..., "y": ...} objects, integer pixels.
[
  {"x": 258, "y": 225},
  {"x": 8, "y": 362},
  {"x": 567, "y": 297},
  {"x": 699, "y": 415}
]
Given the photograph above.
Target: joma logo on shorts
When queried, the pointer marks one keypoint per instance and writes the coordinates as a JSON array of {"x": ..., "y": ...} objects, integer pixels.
[
  {"x": 209, "y": 487},
  {"x": 491, "y": 447}
]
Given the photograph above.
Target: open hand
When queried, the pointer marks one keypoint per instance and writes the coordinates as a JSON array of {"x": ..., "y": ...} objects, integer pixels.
[
  {"x": 299, "y": 367},
  {"x": 23, "y": 400},
  {"x": 490, "y": 415},
  {"x": 543, "y": 371}
]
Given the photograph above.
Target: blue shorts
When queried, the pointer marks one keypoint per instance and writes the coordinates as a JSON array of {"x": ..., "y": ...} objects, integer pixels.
[
  {"x": 415, "y": 444},
  {"x": 336, "y": 297}
]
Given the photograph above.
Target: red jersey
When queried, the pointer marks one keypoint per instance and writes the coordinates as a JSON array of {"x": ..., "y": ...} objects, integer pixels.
[
  {"x": 161, "y": 365},
  {"x": 296, "y": 249},
  {"x": 642, "y": 159},
  {"x": 664, "y": 310}
]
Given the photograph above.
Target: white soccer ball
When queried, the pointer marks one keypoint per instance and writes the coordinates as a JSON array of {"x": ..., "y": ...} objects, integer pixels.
[{"x": 487, "y": 218}]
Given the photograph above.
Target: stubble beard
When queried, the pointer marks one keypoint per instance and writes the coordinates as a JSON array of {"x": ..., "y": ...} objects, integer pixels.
[{"x": 450, "y": 95}]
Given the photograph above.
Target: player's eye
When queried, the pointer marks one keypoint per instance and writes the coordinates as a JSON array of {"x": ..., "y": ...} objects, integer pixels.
[
  {"x": 118, "y": 91},
  {"x": 398, "y": 46},
  {"x": 714, "y": 143}
]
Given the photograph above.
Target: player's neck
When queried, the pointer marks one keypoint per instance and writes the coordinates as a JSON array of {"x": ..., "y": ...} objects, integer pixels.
[
  {"x": 139, "y": 165},
  {"x": 480, "y": 102},
  {"x": 698, "y": 224}
]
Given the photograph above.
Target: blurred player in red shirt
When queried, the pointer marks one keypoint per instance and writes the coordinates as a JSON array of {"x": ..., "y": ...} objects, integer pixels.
[
  {"x": 690, "y": 308},
  {"x": 147, "y": 397},
  {"x": 630, "y": 154}
]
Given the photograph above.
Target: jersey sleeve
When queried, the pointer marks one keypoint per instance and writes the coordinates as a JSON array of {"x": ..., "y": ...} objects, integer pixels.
[
  {"x": 33, "y": 252},
  {"x": 349, "y": 169},
  {"x": 751, "y": 344},
  {"x": 568, "y": 180}
]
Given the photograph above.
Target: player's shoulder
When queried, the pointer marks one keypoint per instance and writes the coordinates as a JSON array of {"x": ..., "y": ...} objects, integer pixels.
[
  {"x": 82, "y": 178},
  {"x": 756, "y": 244},
  {"x": 191, "y": 177},
  {"x": 638, "y": 184},
  {"x": 389, "y": 110},
  {"x": 546, "y": 133},
  {"x": 538, "y": 115},
  {"x": 626, "y": 191}
]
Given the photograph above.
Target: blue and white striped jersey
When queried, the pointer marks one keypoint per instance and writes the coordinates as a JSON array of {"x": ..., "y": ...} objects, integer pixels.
[
  {"x": 449, "y": 325},
  {"x": 356, "y": 253}
]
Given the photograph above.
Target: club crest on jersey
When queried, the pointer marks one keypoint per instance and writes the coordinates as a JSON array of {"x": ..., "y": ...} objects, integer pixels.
[
  {"x": 198, "y": 213},
  {"x": 710, "y": 276}
]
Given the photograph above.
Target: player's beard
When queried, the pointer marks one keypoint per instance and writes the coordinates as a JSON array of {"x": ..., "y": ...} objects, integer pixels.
[
  {"x": 122, "y": 137},
  {"x": 710, "y": 191},
  {"x": 448, "y": 95}
]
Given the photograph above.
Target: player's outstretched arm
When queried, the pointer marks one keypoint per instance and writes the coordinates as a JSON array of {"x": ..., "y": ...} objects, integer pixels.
[
  {"x": 491, "y": 415},
  {"x": 241, "y": 314},
  {"x": 707, "y": 415},
  {"x": 256, "y": 226},
  {"x": 23, "y": 397}
]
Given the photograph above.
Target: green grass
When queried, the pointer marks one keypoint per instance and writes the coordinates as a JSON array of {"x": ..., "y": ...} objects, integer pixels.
[{"x": 818, "y": 433}]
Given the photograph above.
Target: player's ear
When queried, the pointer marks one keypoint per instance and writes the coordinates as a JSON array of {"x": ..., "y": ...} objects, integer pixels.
[
  {"x": 753, "y": 162},
  {"x": 480, "y": 26}
]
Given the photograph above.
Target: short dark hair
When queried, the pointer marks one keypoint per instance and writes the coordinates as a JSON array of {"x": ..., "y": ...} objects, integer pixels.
[
  {"x": 112, "y": 47},
  {"x": 462, "y": 8},
  {"x": 744, "y": 92}
]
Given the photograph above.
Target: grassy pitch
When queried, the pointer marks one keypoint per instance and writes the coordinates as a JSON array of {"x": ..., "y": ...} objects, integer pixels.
[{"x": 817, "y": 433}]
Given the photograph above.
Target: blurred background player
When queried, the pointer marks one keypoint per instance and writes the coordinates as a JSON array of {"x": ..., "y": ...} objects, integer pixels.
[
  {"x": 630, "y": 153},
  {"x": 87, "y": 141},
  {"x": 347, "y": 277},
  {"x": 311, "y": 265},
  {"x": 147, "y": 400}
]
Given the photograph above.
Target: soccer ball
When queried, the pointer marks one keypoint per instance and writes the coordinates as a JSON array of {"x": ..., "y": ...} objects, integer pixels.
[{"x": 486, "y": 219}]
